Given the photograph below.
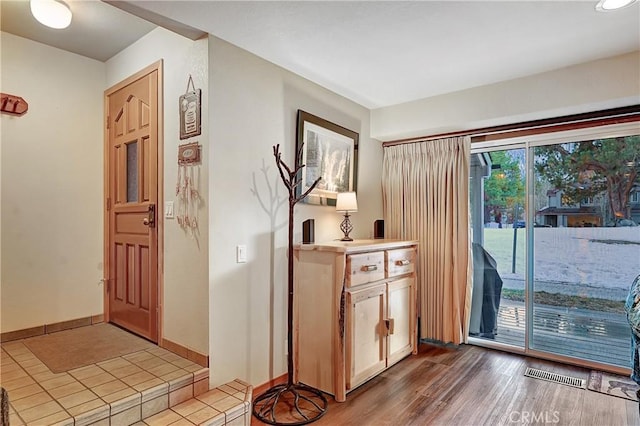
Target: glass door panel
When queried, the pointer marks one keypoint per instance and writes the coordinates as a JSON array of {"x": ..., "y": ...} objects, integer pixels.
[
  {"x": 497, "y": 199},
  {"x": 584, "y": 256}
]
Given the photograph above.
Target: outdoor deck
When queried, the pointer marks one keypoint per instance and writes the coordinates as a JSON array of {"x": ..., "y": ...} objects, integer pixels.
[{"x": 595, "y": 336}]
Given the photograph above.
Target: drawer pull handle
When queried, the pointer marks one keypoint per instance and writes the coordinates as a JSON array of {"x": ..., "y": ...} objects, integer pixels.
[
  {"x": 369, "y": 268},
  {"x": 403, "y": 262}
]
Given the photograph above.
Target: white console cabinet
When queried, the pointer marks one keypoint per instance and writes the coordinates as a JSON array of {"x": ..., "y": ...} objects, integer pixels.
[{"x": 354, "y": 311}]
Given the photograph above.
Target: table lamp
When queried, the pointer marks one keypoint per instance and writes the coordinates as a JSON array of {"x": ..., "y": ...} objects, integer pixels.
[{"x": 346, "y": 203}]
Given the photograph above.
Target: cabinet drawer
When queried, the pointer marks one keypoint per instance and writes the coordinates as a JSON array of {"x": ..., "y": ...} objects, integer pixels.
[
  {"x": 400, "y": 261},
  {"x": 365, "y": 268}
]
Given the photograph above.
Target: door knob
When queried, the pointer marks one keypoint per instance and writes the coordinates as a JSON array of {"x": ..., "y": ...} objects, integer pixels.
[{"x": 150, "y": 220}]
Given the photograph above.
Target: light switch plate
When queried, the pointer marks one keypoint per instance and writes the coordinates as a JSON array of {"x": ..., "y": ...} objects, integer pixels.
[
  {"x": 241, "y": 254},
  {"x": 168, "y": 209}
]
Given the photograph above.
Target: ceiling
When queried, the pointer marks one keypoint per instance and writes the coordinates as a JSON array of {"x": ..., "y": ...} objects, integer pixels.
[
  {"x": 377, "y": 53},
  {"x": 97, "y": 30}
]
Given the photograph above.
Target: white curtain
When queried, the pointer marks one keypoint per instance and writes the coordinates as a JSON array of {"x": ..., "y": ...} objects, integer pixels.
[{"x": 425, "y": 188}]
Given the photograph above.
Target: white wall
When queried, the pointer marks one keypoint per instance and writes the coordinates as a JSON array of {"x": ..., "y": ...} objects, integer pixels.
[
  {"x": 185, "y": 293},
  {"x": 592, "y": 86},
  {"x": 253, "y": 106},
  {"x": 51, "y": 186},
  {"x": 52, "y": 219}
]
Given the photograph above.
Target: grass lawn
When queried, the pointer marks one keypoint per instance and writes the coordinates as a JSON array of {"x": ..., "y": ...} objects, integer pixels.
[
  {"x": 577, "y": 261},
  {"x": 499, "y": 243},
  {"x": 604, "y": 258}
]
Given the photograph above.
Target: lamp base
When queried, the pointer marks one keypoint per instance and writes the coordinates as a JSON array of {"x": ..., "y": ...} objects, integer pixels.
[{"x": 346, "y": 227}]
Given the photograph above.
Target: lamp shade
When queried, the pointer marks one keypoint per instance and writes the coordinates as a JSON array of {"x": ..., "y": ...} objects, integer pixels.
[
  {"x": 346, "y": 202},
  {"x": 52, "y": 13}
]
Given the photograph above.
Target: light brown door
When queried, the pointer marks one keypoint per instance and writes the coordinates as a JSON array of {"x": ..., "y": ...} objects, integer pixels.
[{"x": 132, "y": 198}]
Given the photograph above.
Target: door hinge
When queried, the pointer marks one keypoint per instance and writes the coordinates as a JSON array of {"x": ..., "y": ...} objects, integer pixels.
[
  {"x": 107, "y": 122},
  {"x": 108, "y": 204}
]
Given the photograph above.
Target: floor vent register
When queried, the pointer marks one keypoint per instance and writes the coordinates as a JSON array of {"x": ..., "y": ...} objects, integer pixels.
[{"x": 556, "y": 378}]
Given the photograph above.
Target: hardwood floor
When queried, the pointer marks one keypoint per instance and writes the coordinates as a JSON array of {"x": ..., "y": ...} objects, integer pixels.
[{"x": 471, "y": 385}]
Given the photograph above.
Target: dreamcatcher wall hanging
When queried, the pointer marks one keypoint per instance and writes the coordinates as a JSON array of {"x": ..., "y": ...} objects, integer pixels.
[{"x": 187, "y": 194}]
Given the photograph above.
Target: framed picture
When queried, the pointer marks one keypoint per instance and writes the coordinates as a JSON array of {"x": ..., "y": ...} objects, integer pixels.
[
  {"x": 328, "y": 151},
  {"x": 190, "y": 114}
]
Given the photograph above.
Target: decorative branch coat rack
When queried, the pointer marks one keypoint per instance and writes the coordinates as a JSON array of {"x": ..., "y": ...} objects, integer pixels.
[{"x": 290, "y": 403}]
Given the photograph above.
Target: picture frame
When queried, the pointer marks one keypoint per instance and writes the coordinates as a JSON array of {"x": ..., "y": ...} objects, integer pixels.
[
  {"x": 190, "y": 114},
  {"x": 329, "y": 151}
]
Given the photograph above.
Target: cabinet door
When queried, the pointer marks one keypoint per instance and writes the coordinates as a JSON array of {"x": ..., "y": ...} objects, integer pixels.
[
  {"x": 400, "y": 319},
  {"x": 366, "y": 334}
]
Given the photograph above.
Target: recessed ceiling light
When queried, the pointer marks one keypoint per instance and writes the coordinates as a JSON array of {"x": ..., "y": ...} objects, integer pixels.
[
  {"x": 607, "y": 5},
  {"x": 52, "y": 13}
]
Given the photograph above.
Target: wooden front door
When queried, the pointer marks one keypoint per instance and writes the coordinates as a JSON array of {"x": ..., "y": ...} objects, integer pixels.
[{"x": 132, "y": 200}]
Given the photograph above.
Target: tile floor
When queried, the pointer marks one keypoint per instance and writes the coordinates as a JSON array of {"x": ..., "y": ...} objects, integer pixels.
[{"x": 151, "y": 387}]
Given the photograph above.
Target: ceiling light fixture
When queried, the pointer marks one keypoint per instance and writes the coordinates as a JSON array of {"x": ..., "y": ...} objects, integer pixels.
[
  {"x": 52, "y": 13},
  {"x": 608, "y": 5}
]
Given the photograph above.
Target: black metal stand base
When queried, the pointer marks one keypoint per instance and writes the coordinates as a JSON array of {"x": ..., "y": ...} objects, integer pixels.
[{"x": 290, "y": 404}]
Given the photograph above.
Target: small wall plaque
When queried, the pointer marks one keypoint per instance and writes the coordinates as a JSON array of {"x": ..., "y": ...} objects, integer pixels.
[
  {"x": 189, "y": 153},
  {"x": 190, "y": 114}
]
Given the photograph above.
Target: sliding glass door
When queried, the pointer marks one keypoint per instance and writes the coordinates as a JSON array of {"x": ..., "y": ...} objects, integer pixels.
[
  {"x": 498, "y": 310},
  {"x": 585, "y": 256},
  {"x": 555, "y": 246}
]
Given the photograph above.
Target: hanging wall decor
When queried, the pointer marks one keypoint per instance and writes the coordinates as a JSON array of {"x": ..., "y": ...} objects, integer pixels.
[
  {"x": 189, "y": 153},
  {"x": 187, "y": 194},
  {"x": 190, "y": 114},
  {"x": 12, "y": 104}
]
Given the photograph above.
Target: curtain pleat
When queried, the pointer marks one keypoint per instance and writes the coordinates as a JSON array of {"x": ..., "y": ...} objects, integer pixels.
[{"x": 425, "y": 191}]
